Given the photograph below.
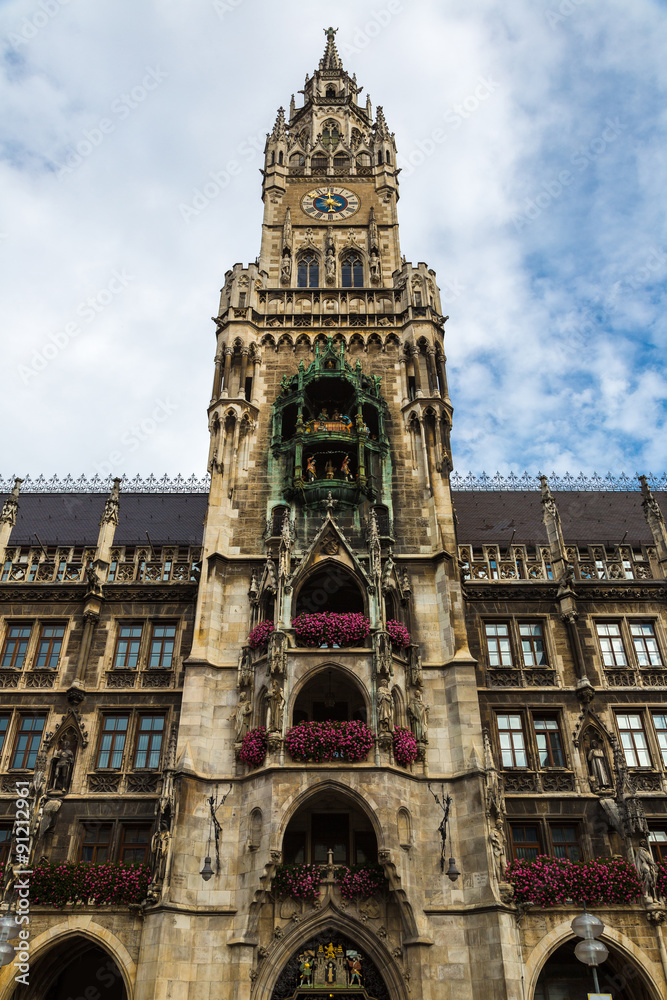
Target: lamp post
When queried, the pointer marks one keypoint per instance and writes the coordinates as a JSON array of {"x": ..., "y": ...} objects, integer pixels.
[
  {"x": 9, "y": 928},
  {"x": 590, "y": 951}
]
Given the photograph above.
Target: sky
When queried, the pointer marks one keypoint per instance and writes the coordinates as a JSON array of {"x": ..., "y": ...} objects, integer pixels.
[{"x": 531, "y": 137}]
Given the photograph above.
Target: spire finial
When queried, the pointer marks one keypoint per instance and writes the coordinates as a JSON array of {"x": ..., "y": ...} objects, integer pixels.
[{"x": 330, "y": 59}]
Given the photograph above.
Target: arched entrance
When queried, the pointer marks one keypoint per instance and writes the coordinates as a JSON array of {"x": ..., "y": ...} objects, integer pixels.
[
  {"x": 330, "y": 821},
  {"x": 330, "y": 959},
  {"x": 564, "y": 977},
  {"x": 74, "y": 967},
  {"x": 330, "y": 694}
]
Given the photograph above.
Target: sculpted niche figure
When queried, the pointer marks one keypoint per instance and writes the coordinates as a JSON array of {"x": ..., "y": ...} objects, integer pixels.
[
  {"x": 597, "y": 764},
  {"x": 418, "y": 713},
  {"x": 63, "y": 763},
  {"x": 385, "y": 704},
  {"x": 275, "y": 708},
  {"x": 647, "y": 869},
  {"x": 242, "y": 716}
]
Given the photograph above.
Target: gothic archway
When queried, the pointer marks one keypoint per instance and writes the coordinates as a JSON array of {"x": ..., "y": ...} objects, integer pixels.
[
  {"x": 563, "y": 975},
  {"x": 331, "y": 959},
  {"x": 330, "y": 692},
  {"x": 74, "y": 966}
]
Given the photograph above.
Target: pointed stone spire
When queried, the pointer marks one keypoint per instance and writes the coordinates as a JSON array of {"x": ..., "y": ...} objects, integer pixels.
[
  {"x": 287, "y": 230},
  {"x": 108, "y": 525},
  {"x": 381, "y": 129},
  {"x": 330, "y": 59},
  {"x": 551, "y": 519},
  {"x": 292, "y": 107},
  {"x": 10, "y": 506},
  {"x": 655, "y": 520},
  {"x": 8, "y": 517},
  {"x": 279, "y": 128},
  {"x": 369, "y": 108}
]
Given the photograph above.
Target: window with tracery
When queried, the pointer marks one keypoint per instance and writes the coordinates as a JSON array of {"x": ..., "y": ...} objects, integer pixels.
[
  {"x": 308, "y": 273},
  {"x": 330, "y": 134},
  {"x": 352, "y": 271}
]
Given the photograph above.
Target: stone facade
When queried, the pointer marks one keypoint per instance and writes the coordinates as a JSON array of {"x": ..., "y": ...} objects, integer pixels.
[{"x": 535, "y": 643}]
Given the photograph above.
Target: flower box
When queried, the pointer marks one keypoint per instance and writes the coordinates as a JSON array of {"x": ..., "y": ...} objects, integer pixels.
[
  {"x": 405, "y": 746},
  {"x": 398, "y": 633},
  {"x": 303, "y": 881},
  {"x": 253, "y": 747},
  {"x": 331, "y": 629},
  {"x": 82, "y": 883},
  {"x": 549, "y": 881},
  {"x": 259, "y": 636},
  {"x": 322, "y": 741}
]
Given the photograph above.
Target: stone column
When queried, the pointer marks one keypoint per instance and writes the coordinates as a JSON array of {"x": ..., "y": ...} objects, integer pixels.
[
  {"x": 432, "y": 373},
  {"x": 217, "y": 378},
  {"x": 256, "y": 362},
  {"x": 414, "y": 351},
  {"x": 244, "y": 368},
  {"x": 444, "y": 390},
  {"x": 228, "y": 364},
  {"x": 404, "y": 381}
]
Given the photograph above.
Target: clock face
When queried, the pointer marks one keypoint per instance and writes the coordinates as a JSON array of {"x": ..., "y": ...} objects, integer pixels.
[{"x": 330, "y": 203}]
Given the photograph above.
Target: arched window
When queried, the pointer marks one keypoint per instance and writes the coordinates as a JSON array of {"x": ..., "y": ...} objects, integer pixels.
[
  {"x": 331, "y": 92},
  {"x": 319, "y": 164},
  {"x": 363, "y": 159},
  {"x": 308, "y": 275},
  {"x": 379, "y": 157},
  {"x": 387, "y": 158},
  {"x": 330, "y": 133},
  {"x": 352, "y": 271},
  {"x": 297, "y": 160},
  {"x": 341, "y": 160},
  {"x": 277, "y": 516},
  {"x": 280, "y": 158}
]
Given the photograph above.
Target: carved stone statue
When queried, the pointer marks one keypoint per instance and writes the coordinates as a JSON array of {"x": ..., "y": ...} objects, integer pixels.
[
  {"x": 374, "y": 267},
  {"x": 330, "y": 266},
  {"x": 160, "y": 850},
  {"x": 497, "y": 839},
  {"x": 63, "y": 764},
  {"x": 48, "y": 818},
  {"x": 285, "y": 269},
  {"x": 385, "y": 704},
  {"x": 275, "y": 708},
  {"x": 647, "y": 869},
  {"x": 245, "y": 668},
  {"x": 597, "y": 765},
  {"x": 418, "y": 713},
  {"x": 242, "y": 716}
]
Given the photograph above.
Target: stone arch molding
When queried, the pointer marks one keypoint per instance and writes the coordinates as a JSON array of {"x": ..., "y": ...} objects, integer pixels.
[
  {"x": 323, "y": 668},
  {"x": 75, "y": 925},
  {"x": 542, "y": 952},
  {"x": 330, "y": 918},
  {"x": 366, "y": 803}
]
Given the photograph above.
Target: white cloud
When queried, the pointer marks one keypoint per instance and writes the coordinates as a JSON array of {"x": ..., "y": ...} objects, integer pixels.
[{"x": 556, "y": 333}]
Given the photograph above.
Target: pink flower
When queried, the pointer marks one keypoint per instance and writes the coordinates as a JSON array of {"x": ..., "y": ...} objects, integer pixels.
[{"x": 259, "y": 637}]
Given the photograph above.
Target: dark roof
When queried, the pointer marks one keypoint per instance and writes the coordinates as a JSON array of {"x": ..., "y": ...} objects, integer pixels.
[
  {"x": 483, "y": 517},
  {"x": 73, "y": 518},
  {"x": 586, "y": 517}
]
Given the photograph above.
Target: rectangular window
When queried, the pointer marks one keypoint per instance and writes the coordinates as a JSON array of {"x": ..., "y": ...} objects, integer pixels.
[
  {"x": 95, "y": 842},
  {"x": 134, "y": 844},
  {"x": 112, "y": 741},
  {"x": 498, "y": 644},
  {"x": 657, "y": 839},
  {"x": 549, "y": 743},
  {"x": 532, "y": 644},
  {"x": 526, "y": 840},
  {"x": 565, "y": 840},
  {"x": 611, "y": 644},
  {"x": 512, "y": 741},
  {"x": 16, "y": 644},
  {"x": 660, "y": 723},
  {"x": 163, "y": 638},
  {"x": 633, "y": 740},
  {"x": 5, "y": 842},
  {"x": 149, "y": 741},
  {"x": 28, "y": 738},
  {"x": 4, "y": 726},
  {"x": 127, "y": 646},
  {"x": 50, "y": 643},
  {"x": 646, "y": 644}
]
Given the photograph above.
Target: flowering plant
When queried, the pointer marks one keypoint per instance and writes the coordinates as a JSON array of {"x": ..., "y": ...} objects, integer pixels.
[
  {"x": 298, "y": 881},
  {"x": 253, "y": 747},
  {"x": 549, "y": 881},
  {"x": 80, "y": 882},
  {"x": 405, "y": 746},
  {"x": 398, "y": 633},
  {"x": 259, "y": 637},
  {"x": 320, "y": 741},
  {"x": 329, "y": 628},
  {"x": 303, "y": 881},
  {"x": 360, "y": 880}
]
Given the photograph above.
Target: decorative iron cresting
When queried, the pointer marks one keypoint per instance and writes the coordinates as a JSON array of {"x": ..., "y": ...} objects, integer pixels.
[
  {"x": 580, "y": 483},
  {"x": 104, "y": 484}
]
